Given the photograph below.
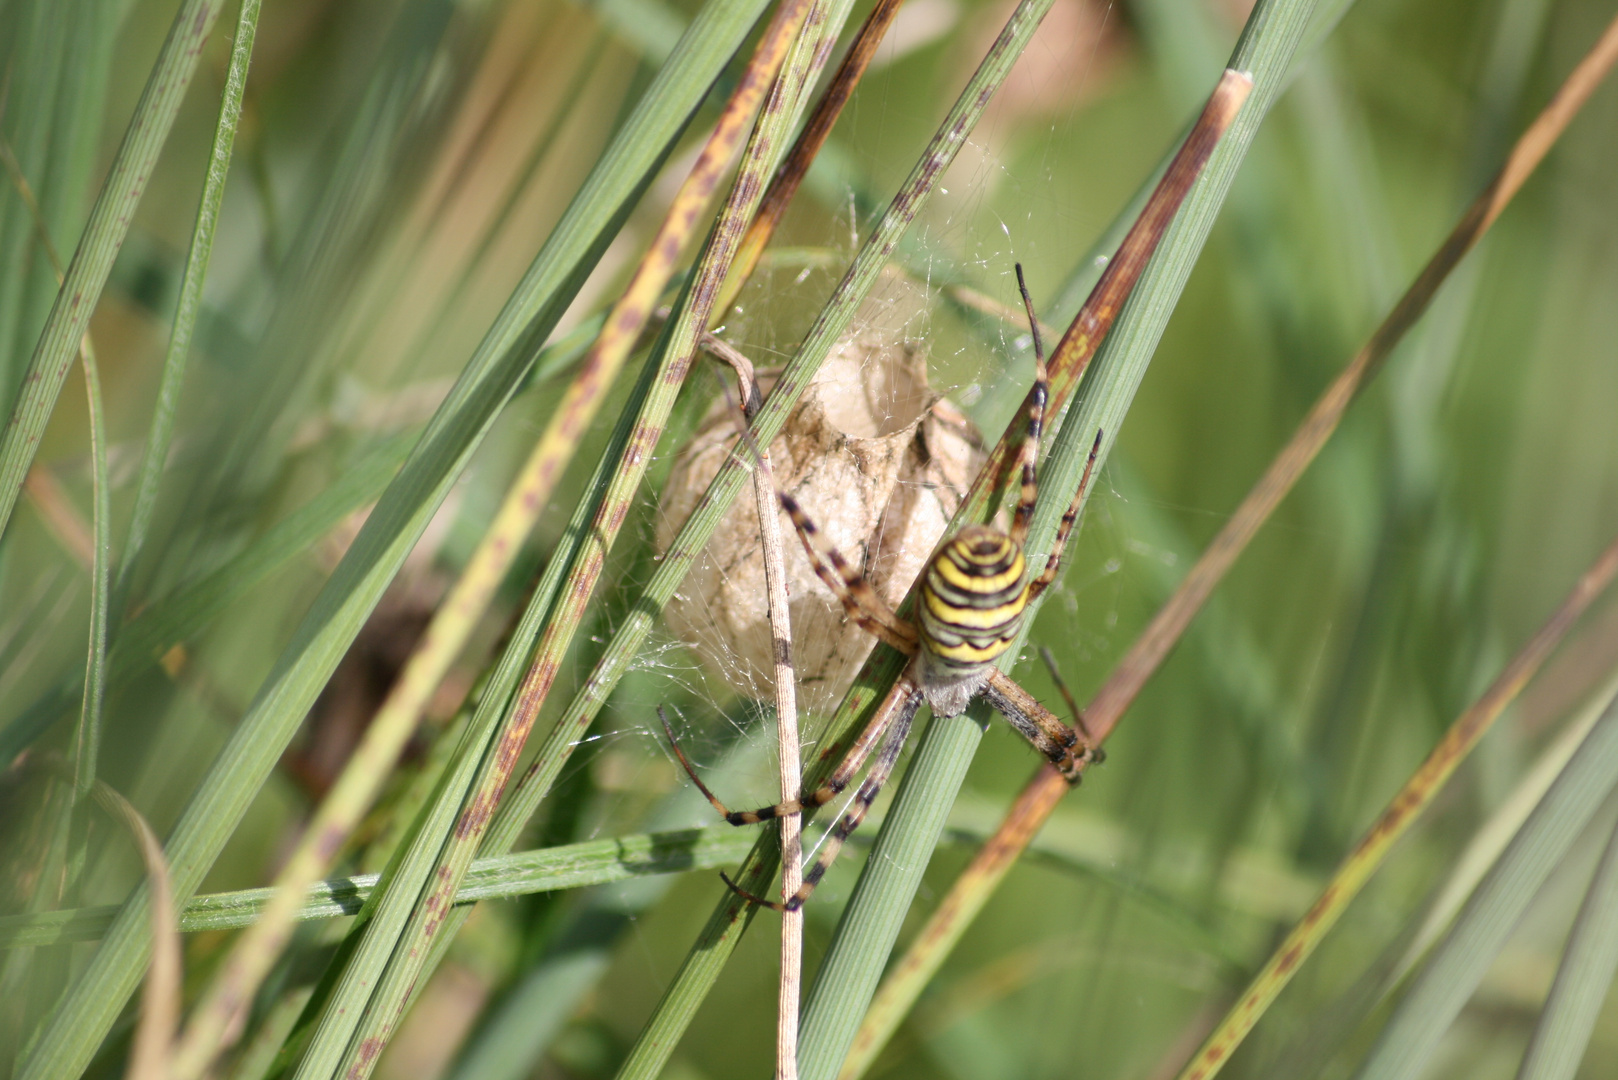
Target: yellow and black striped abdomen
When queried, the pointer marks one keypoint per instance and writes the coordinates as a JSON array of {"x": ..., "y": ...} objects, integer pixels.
[{"x": 972, "y": 600}]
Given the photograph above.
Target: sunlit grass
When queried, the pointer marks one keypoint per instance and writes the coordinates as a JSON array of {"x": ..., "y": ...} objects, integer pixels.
[{"x": 397, "y": 168}]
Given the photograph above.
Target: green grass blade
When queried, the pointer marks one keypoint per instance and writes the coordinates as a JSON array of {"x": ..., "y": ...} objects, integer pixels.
[
  {"x": 1589, "y": 961},
  {"x": 190, "y": 300},
  {"x": 870, "y": 924},
  {"x": 1443, "y": 987},
  {"x": 392, "y": 529},
  {"x": 87, "y": 736},
  {"x": 570, "y": 866},
  {"x": 98, "y": 247},
  {"x": 57, "y": 79}
]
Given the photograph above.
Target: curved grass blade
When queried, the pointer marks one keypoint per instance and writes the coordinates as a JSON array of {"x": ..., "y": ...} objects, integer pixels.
[
  {"x": 498, "y": 365},
  {"x": 87, "y": 735},
  {"x": 189, "y": 303},
  {"x": 98, "y": 246},
  {"x": 979, "y": 881}
]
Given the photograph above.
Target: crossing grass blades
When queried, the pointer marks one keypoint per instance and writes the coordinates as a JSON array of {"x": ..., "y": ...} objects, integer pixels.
[{"x": 975, "y": 591}]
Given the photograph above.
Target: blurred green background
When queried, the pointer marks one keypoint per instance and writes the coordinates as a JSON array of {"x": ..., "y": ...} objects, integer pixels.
[{"x": 399, "y": 163}]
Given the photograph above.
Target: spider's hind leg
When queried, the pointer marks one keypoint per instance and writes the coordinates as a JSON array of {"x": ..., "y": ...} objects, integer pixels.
[
  {"x": 1066, "y": 749},
  {"x": 881, "y": 769}
]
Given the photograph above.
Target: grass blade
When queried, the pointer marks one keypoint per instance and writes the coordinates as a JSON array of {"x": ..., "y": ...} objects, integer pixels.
[
  {"x": 189, "y": 304},
  {"x": 98, "y": 247},
  {"x": 570, "y": 866}
]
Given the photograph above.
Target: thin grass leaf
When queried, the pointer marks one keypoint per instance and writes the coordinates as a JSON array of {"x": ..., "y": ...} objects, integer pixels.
[
  {"x": 392, "y": 529},
  {"x": 571, "y": 866},
  {"x": 186, "y": 309},
  {"x": 98, "y": 247},
  {"x": 1589, "y": 961},
  {"x": 87, "y": 735},
  {"x": 55, "y": 101},
  {"x": 1446, "y": 983}
]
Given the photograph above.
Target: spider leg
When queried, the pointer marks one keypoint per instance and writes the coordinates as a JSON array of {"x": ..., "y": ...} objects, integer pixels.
[
  {"x": 1065, "y": 748},
  {"x": 1054, "y": 560},
  {"x": 881, "y": 769},
  {"x": 835, "y": 784},
  {"x": 1029, "y": 453},
  {"x": 868, "y": 610}
]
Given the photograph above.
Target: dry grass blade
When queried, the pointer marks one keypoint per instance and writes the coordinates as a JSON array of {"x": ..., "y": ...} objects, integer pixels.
[
  {"x": 973, "y": 888},
  {"x": 160, "y": 1000},
  {"x": 218, "y": 1018},
  {"x": 785, "y": 183},
  {"x": 787, "y": 748}
]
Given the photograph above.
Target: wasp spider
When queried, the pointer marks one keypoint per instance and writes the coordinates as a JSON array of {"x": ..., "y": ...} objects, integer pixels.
[{"x": 973, "y": 596}]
